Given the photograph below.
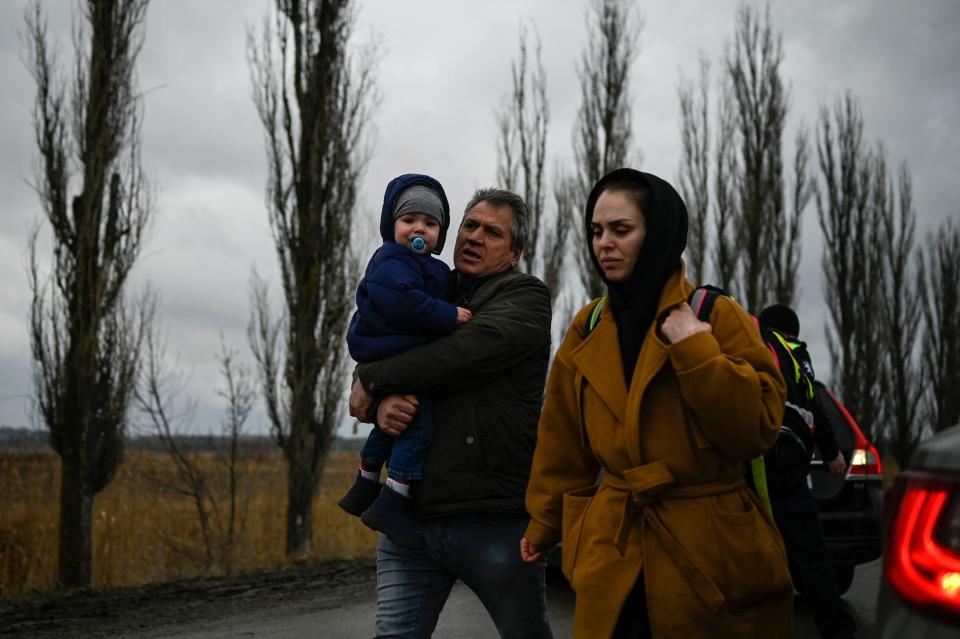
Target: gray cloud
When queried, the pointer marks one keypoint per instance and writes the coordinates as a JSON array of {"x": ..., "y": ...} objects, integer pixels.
[{"x": 444, "y": 68}]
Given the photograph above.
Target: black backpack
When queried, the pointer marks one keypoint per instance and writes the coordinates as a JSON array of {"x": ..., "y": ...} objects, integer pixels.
[{"x": 787, "y": 462}]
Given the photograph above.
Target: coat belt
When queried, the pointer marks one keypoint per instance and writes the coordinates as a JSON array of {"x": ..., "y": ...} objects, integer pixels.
[{"x": 652, "y": 482}]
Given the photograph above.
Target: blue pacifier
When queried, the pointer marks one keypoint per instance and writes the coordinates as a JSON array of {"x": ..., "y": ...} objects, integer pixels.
[{"x": 418, "y": 244}]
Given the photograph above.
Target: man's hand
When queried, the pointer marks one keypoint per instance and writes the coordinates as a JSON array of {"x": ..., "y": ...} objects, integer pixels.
[
  {"x": 681, "y": 323},
  {"x": 528, "y": 552},
  {"x": 395, "y": 413},
  {"x": 360, "y": 401},
  {"x": 837, "y": 465}
]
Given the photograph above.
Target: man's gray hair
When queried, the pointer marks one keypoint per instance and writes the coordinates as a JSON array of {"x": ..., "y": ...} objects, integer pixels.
[{"x": 520, "y": 228}]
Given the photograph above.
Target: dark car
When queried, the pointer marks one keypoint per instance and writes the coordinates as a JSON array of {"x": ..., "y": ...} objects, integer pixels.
[
  {"x": 851, "y": 506},
  {"x": 920, "y": 591}
]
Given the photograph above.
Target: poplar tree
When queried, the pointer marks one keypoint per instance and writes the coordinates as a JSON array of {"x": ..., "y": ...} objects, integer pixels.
[
  {"x": 900, "y": 315},
  {"x": 851, "y": 262},
  {"x": 939, "y": 286},
  {"x": 603, "y": 129},
  {"x": 314, "y": 99},
  {"x": 85, "y": 333},
  {"x": 523, "y": 123}
]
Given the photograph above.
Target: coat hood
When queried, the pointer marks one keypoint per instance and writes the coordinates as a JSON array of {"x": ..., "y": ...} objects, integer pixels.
[
  {"x": 398, "y": 185},
  {"x": 633, "y": 302},
  {"x": 666, "y": 223}
]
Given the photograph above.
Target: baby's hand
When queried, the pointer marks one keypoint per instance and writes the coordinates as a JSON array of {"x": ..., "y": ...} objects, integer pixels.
[{"x": 463, "y": 316}]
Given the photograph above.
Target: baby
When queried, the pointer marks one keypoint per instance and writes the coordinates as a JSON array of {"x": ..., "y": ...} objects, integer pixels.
[{"x": 401, "y": 303}]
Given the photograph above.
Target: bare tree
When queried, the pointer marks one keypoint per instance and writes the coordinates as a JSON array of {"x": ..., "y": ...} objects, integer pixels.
[
  {"x": 726, "y": 169},
  {"x": 939, "y": 285},
  {"x": 523, "y": 123},
  {"x": 900, "y": 310},
  {"x": 850, "y": 259},
  {"x": 753, "y": 67},
  {"x": 783, "y": 252},
  {"x": 556, "y": 243},
  {"x": 85, "y": 336},
  {"x": 603, "y": 130},
  {"x": 156, "y": 395},
  {"x": 156, "y": 398},
  {"x": 314, "y": 100},
  {"x": 557, "y": 237},
  {"x": 239, "y": 394},
  {"x": 756, "y": 237},
  {"x": 695, "y": 166}
]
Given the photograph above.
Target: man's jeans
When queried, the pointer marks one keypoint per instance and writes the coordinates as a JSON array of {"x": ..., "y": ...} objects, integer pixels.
[
  {"x": 406, "y": 452},
  {"x": 482, "y": 550}
]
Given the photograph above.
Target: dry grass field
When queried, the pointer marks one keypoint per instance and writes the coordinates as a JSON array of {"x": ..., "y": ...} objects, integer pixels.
[{"x": 144, "y": 532}]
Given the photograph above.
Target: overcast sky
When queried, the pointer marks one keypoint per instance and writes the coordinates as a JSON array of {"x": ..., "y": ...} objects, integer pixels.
[{"x": 444, "y": 67}]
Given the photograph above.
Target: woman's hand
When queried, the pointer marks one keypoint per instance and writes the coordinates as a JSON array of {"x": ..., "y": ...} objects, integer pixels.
[
  {"x": 681, "y": 323},
  {"x": 528, "y": 552}
]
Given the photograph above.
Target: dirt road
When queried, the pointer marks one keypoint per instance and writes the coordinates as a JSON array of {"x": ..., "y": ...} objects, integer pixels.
[
  {"x": 331, "y": 601},
  {"x": 179, "y": 609}
]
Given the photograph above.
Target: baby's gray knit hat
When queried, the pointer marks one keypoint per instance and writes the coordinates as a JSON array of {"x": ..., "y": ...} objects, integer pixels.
[{"x": 420, "y": 198}]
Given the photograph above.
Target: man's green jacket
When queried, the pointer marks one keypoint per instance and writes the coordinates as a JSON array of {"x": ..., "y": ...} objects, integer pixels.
[{"x": 486, "y": 382}]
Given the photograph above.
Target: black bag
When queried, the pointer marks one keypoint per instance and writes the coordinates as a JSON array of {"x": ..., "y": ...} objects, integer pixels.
[{"x": 787, "y": 462}]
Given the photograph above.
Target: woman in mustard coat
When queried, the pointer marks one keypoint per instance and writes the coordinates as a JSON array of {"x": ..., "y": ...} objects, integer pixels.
[{"x": 648, "y": 419}]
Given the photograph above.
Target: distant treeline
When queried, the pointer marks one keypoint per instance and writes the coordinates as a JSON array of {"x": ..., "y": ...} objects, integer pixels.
[{"x": 29, "y": 438}]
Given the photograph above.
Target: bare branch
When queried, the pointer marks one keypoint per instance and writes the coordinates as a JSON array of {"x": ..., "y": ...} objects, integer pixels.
[
  {"x": 725, "y": 204},
  {"x": 694, "y": 178},
  {"x": 939, "y": 285}
]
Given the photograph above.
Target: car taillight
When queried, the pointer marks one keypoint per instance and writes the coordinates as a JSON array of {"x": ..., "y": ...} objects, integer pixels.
[
  {"x": 865, "y": 462},
  {"x": 922, "y": 554}
]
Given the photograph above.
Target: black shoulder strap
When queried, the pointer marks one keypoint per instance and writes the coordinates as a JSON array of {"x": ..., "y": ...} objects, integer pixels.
[{"x": 703, "y": 299}]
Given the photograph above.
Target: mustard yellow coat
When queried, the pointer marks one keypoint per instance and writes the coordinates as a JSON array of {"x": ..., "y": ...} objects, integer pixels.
[{"x": 671, "y": 501}]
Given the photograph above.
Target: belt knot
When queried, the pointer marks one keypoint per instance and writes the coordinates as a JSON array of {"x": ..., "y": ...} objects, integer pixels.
[{"x": 652, "y": 482}]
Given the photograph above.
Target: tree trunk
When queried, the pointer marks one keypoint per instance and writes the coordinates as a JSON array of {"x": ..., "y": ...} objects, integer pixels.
[
  {"x": 299, "y": 513},
  {"x": 76, "y": 510}
]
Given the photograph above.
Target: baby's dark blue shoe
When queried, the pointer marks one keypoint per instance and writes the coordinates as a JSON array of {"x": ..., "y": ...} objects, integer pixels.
[
  {"x": 390, "y": 514},
  {"x": 360, "y": 496}
]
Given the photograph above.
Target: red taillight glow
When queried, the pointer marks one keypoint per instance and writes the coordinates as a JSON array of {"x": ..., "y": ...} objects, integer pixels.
[
  {"x": 919, "y": 567},
  {"x": 865, "y": 462}
]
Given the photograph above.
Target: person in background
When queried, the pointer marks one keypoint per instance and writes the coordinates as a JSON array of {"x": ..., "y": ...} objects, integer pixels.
[
  {"x": 795, "y": 510},
  {"x": 784, "y": 320},
  {"x": 670, "y": 542}
]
